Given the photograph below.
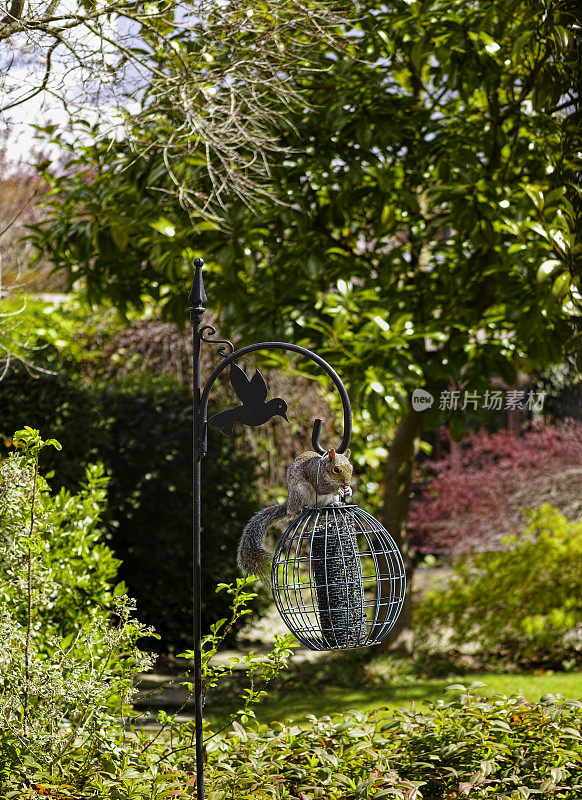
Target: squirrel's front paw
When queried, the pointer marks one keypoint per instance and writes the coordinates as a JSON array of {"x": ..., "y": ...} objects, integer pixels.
[{"x": 346, "y": 493}]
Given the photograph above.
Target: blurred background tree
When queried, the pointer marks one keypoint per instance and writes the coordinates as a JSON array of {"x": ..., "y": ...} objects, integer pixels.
[
  {"x": 21, "y": 187},
  {"x": 477, "y": 495},
  {"x": 201, "y": 81},
  {"x": 424, "y": 233}
]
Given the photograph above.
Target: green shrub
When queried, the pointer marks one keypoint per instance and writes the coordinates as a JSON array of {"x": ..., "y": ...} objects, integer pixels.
[
  {"x": 68, "y": 651},
  {"x": 523, "y": 601},
  {"x": 79, "y": 567},
  {"x": 140, "y": 429},
  {"x": 499, "y": 747},
  {"x": 68, "y": 655},
  {"x": 478, "y": 747}
]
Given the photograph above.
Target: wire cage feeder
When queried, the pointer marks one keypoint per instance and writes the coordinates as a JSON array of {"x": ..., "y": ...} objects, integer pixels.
[{"x": 338, "y": 578}]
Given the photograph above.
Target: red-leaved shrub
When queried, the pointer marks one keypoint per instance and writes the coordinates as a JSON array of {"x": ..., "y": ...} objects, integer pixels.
[{"x": 477, "y": 495}]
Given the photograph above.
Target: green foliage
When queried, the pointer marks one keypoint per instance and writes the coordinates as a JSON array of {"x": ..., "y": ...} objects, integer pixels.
[
  {"x": 254, "y": 671},
  {"x": 336, "y": 758},
  {"x": 68, "y": 651},
  {"x": 437, "y": 254},
  {"x": 141, "y": 431},
  {"x": 82, "y": 567},
  {"x": 51, "y": 336},
  {"x": 68, "y": 655},
  {"x": 114, "y": 230},
  {"x": 523, "y": 601},
  {"x": 30, "y": 443},
  {"x": 498, "y": 747}
]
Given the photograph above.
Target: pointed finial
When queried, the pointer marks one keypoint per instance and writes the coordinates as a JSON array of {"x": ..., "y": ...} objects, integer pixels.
[{"x": 197, "y": 296}]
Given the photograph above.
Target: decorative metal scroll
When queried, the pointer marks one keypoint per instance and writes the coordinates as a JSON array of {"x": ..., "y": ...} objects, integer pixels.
[
  {"x": 294, "y": 348},
  {"x": 223, "y": 346}
]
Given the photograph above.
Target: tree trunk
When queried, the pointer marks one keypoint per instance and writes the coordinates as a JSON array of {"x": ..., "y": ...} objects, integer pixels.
[{"x": 397, "y": 482}]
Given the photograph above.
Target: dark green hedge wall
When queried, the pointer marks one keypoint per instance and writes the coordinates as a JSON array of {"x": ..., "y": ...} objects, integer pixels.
[{"x": 141, "y": 431}]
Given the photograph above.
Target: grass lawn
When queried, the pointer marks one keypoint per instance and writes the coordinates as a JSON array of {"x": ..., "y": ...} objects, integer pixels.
[{"x": 332, "y": 699}]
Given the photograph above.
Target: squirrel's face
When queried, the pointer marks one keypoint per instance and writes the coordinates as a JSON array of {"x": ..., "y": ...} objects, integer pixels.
[{"x": 339, "y": 468}]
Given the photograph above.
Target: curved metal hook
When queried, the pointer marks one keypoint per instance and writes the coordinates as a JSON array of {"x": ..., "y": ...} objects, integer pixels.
[
  {"x": 295, "y": 348},
  {"x": 224, "y": 347},
  {"x": 315, "y": 437}
]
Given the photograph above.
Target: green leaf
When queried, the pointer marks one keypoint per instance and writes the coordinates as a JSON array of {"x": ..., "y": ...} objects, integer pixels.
[
  {"x": 163, "y": 225},
  {"x": 458, "y": 426}
]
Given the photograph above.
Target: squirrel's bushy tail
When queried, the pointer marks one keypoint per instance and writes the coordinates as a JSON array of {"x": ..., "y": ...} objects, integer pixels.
[{"x": 253, "y": 558}]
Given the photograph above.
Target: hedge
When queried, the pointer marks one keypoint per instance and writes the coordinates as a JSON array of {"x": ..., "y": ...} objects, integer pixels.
[{"x": 140, "y": 430}]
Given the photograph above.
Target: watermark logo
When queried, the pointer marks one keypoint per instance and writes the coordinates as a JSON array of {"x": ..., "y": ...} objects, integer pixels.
[
  {"x": 421, "y": 400},
  {"x": 494, "y": 400}
]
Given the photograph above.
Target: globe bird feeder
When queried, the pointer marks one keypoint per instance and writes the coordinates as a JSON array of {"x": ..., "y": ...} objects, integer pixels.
[{"x": 338, "y": 578}]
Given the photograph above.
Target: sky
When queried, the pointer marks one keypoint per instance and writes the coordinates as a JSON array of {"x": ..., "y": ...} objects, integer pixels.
[{"x": 89, "y": 93}]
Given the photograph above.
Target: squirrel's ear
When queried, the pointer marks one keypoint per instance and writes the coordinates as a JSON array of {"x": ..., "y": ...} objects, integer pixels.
[
  {"x": 331, "y": 455},
  {"x": 348, "y": 453}
]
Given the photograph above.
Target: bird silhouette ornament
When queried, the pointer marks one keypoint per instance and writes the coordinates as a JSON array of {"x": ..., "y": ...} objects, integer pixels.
[{"x": 254, "y": 410}]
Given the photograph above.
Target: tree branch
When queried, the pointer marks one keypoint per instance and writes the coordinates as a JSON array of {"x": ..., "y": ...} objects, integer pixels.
[
  {"x": 14, "y": 12},
  {"x": 41, "y": 88}
]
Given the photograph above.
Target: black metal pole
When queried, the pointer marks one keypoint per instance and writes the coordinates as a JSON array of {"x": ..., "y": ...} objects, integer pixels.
[
  {"x": 197, "y": 299},
  {"x": 200, "y": 398}
]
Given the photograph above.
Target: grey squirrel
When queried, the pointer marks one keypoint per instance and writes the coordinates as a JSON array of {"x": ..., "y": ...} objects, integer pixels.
[{"x": 333, "y": 485}]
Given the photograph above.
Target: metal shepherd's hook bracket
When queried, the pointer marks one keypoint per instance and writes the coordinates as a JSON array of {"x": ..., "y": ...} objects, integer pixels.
[{"x": 254, "y": 409}]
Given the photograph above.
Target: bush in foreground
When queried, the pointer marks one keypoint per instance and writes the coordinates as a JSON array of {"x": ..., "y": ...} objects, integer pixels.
[
  {"x": 479, "y": 747},
  {"x": 497, "y": 747},
  {"x": 68, "y": 642},
  {"x": 68, "y": 648},
  {"x": 501, "y": 747}
]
